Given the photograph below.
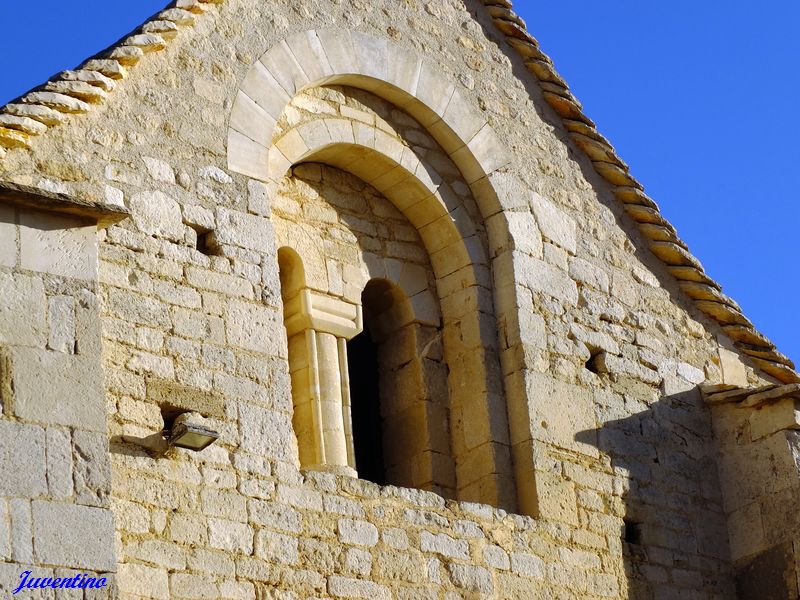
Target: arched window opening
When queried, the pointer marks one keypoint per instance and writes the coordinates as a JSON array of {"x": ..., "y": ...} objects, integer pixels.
[
  {"x": 362, "y": 362},
  {"x": 398, "y": 396}
]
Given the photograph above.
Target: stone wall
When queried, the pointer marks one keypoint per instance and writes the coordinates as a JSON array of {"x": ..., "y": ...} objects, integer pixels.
[
  {"x": 600, "y": 353},
  {"x": 55, "y": 474},
  {"x": 758, "y": 466}
]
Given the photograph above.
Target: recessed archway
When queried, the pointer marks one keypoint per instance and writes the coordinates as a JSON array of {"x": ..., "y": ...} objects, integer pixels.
[{"x": 396, "y": 74}]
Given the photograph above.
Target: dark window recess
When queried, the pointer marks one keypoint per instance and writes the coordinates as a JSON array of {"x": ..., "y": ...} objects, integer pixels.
[
  {"x": 632, "y": 532},
  {"x": 362, "y": 359}
]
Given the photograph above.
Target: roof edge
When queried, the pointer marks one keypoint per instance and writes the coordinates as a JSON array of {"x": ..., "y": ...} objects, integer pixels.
[
  {"x": 76, "y": 91},
  {"x": 662, "y": 237}
]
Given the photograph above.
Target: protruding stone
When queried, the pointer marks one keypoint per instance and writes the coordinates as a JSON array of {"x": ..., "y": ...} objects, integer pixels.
[
  {"x": 177, "y": 16},
  {"x": 43, "y": 114},
  {"x": 107, "y": 66},
  {"x": 23, "y": 124},
  {"x": 766, "y": 353},
  {"x": 13, "y": 138},
  {"x": 672, "y": 254},
  {"x": 744, "y": 333},
  {"x": 78, "y": 89},
  {"x": 722, "y": 313},
  {"x": 594, "y": 149},
  {"x": 59, "y": 102},
  {"x": 194, "y": 6},
  {"x": 777, "y": 393},
  {"x": 505, "y": 13},
  {"x": 701, "y": 291},
  {"x": 645, "y": 214},
  {"x": 559, "y": 90},
  {"x": 691, "y": 274},
  {"x": 166, "y": 29},
  {"x": 565, "y": 108},
  {"x": 780, "y": 372},
  {"x": 544, "y": 70},
  {"x": 634, "y": 195},
  {"x": 614, "y": 174},
  {"x": 127, "y": 55},
  {"x": 661, "y": 233},
  {"x": 527, "y": 49},
  {"x": 148, "y": 42},
  {"x": 514, "y": 30},
  {"x": 584, "y": 129},
  {"x": 732, "y": 393},
  {"x": 92, "y": 77}
]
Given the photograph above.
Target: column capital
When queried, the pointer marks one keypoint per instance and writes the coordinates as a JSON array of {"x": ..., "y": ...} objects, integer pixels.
[{"x": 310, "y": 309}]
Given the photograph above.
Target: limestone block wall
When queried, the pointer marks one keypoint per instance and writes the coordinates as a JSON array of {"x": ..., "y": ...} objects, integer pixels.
[
  {"x": 55, "y": 472},
  {"x": 758, "y": 464},
  {"x": 600, "y": 353}
]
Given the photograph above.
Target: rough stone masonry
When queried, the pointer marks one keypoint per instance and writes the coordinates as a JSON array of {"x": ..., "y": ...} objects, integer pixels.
[{"x": 450, "y": 347}]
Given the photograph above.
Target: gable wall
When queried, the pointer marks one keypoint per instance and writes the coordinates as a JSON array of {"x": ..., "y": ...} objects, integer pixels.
[{"x": 632, "y": 439}]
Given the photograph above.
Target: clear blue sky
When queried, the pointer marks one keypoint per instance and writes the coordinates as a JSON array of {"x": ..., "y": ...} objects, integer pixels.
[{"x": 698, "y": 98}]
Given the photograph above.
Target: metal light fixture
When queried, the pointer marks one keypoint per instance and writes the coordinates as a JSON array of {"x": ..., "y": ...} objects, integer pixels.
[
  {"x": 189, "y": 430},
  {"x": 191, "y": 436}
]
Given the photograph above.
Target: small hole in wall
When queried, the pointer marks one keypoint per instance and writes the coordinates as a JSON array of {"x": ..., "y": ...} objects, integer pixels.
[
  {"x": 632, "y": 532},
  {"x": 169, "y": 414},
  {"x": 591, "y": 364},
  {"x": 205, "y": 243}
]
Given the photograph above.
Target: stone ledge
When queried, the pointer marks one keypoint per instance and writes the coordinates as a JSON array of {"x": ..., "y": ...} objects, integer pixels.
[{"x": 22, "y": 195}]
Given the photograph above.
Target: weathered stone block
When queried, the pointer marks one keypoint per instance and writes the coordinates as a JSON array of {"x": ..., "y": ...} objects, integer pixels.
[
  {"x": 9, "y": 253},
  {"x": 244, "y": 230},
  {"x": 277, "y": 547},
  {"x": 554, "y": 223},
  {"x": 23, "y": 311},
  {"x": 61, "y": 316},
  {"x": 157, "y": 214},
  {"x": 69, "y": 535},
  {"x": 346, "y": 587},
  {"x": 62, "y": 389},
  {"x": 141, "y": 580},
  {"x": 58, "y": 244},
  {"x": 21, "y": 531},
  {"x": 468, "y": 577},
  {"x": 92, "y": 468},
  {"x": 543, "y": 277},
  {"x": 360, "y": 533},
  {"x": 562, "y": 414},
  {"x": 443, "y": 544},
  {"x": 190, "y": 585},
  {"x": 59, "y": 463},
  {"x": 228, "y": 535},
  {"x": 265, "y": 432},
  {"x": 23, "y": 470}
]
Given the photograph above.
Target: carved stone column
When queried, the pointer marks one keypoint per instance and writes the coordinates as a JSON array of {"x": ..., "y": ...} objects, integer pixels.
[{"x": 318, "y": 327}]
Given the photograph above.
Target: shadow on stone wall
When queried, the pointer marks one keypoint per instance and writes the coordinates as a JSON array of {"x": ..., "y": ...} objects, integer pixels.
[{"x": 675, "y": 540}]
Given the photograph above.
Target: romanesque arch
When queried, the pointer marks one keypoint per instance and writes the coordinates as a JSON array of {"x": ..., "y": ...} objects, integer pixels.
[{"x": 323, "y": 58}]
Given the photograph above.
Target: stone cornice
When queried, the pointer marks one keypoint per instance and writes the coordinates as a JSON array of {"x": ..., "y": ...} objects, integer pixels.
[
  {"x": 663, "y": 239},
  {"x": 20, "y": 195}
]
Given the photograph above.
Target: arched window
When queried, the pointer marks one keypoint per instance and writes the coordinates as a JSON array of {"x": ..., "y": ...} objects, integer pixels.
[
  {"x": 399, "y": 400},
  {"x": 370, "y": 395}
]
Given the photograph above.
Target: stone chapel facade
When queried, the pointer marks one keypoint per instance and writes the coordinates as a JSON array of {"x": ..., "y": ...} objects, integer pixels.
[{"x": 450, "y": 347}]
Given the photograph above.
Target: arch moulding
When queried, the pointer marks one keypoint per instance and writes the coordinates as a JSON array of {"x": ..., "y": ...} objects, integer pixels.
[{"x": 398, "y": 75}]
